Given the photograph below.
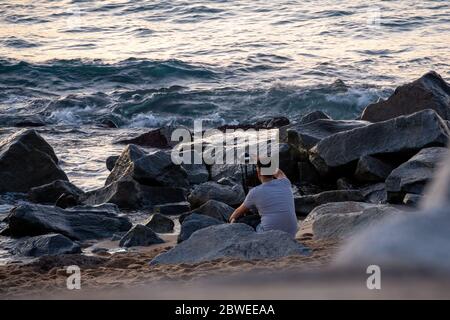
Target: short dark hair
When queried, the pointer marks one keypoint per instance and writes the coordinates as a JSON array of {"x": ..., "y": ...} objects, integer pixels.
[{"x": 260, "y": 165}]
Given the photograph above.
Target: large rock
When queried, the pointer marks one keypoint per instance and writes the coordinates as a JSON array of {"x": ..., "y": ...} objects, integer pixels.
[
  {"x": 156, "y": 138},
  {"x": 418, "y": 240},
  {"x": 129, "y": 194},
  {"x": 49, "y": 193},
  {"x": 140, "y": 235},
  {"x": 305, "y": 204},
  {"x": 404, "y": 134},
  {"x": 428, "y": 92},
  {"x": 27, "y": 161},
  {"x": 194, "y": 222},
  {"x": 170, "y": 209},
  {"x": 196, "y": 173},
  {"x": 77, "y": 223},
  {"x": 309, "y": 134},
  {"x": 313, "y": 116},
  {"x": 371, "y": 169},
  {"x": 202, "y": 193},
  {"x": 237, "y": 241},
  {"x": 111, "y": 162},
  {"x": 412, "y": 176},
  {"x": 340, "y": 220},
  {"x": 230, "y": 171},
  {"x": 48, "y": 244},
  {"x": 262, "y": 123},
  {"x": 214, "y": 209},
  {"x": 153, "y": 169},
  {"x": 375, "y": 193},
  {"x": 160, "y": 223}
]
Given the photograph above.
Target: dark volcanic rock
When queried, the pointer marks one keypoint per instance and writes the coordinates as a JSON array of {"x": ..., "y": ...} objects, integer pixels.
[
  {"x": 309, "y": 134},
  {"x": 404, "y": 134},
  {"x": 305, "y": 204},
  {"x": 214, "y": 209},
  {"x": 27, "y": 161},
  {"x": 266, "y": 123},
  {"x": 157, "y": 138},
  {"x": 412, "y": 176},
  {"x": 140, "y": 235},
  {"x": 204, "y": 192},
  {"x": 170, "y": 209},
  {"x": 237, "y": 240},
  {"x": 153, "y": 169},
  {"x": 49, "y": 244},
  {"x": 111, "y": 162},
  {"x": 160, "y": 224},
  {"x": 195, "y": 222},
  {"x": 428, "y": 92},
  {"x": 313, "y": 116},
  {"x": 128, "y": 194},
  {"x": 49, "y": 193},
  {"x": 371, "y": 169},
  {"x": 77, "y": 223}
]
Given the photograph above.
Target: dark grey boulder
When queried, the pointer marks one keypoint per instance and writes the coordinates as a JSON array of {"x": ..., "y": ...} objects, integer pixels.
[
  {"x": 305, "y": 204},
  {"x": 341, "y": 220},
  {"x": 204, "y": 192},
  {"x": 412, "y": 176},
  {"x": 49, "y": 193},
  {"x": 111, "y": 162},
  {"x": 27, "y": 161},
  {"x": 428, "y": 92},
  {"x": 404, "y": 134},
  {"x": 196, "y": 173},
  {"x": 153, "y": 169},
  {"x": 309, "y": 134},
  {"x": 371, "y": 169},
  {"x": 160, "y": 224},
  {"x": 140, "y": 235},
  {"x": 129, "y": 194},
  {"x": 156, "y": 138},
  {"x": 237, "y": 241},
  {"x": 76, "y": 223},
  {"x": 194, "y": 222},
  {"x": 411, "y": 199},
  {"x": 230, "y": 171},
  {"x": 438, "y": 191},
  {"x": 344, "y": 184},
  {"x": 170, "y": 209},
  {"x": 313, "y": 116},
  {"x": 214, "y": 209},
  {"x": 375, "y": 193},
  {"x": 48, "y": 244}
]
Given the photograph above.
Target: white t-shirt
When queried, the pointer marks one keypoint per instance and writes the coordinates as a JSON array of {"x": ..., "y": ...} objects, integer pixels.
[{"x": 275, "y": 204}]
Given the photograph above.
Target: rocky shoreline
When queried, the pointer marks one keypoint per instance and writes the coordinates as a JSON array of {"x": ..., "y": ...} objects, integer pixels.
[{"x": 347, "y": 176}]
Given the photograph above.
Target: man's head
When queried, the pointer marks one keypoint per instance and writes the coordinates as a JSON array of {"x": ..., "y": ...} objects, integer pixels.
[{"x": 263, "y": 170}]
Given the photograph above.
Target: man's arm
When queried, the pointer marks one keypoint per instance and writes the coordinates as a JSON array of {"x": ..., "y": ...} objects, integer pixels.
[
  {"x": 279, "y": 174},
  {"x": 238, "y": 213}
]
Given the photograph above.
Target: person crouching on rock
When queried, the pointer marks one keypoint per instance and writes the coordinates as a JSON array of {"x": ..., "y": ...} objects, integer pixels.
[{"x": 274, "y": 201}]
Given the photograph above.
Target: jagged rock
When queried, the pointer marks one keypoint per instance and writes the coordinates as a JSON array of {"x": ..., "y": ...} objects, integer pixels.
[
  {"x": 128, "y": 194},
  {"x": 196, "y": 173},
  {"x": 305, "y": 204},
  {"x": 375, "y": 193},
  {"x": 412, "y": 176},
  {"x": 111, "y": 162},
  {"x": 204, "y": 192},
  {"x": 417, "y": 240},
  {"x": 49, "y": 244},
  {"x": 230, "y": 171},
  {"x": 308, "y": 135},
  {"x": 67, "y": 200},
  {"x": 160, "y": 224},
  {"x": 77, "y": 223},
  {"x": 344, "y": 184},
  {"x": 340, "y": 220},
  {"x": 428, "y": 92},
  {"x": 27, "y": 161},
  {"x": 214, "y": 209},
  {"x": 153, "y": 169},
  {"x": 313, "y": 116},
  {"x": 157, "y": 138},
  {"x": 49, "y": 193},
  {"x": 140, "y": 235},
  {"x": 170, "y": 209},
  {"x": 289, "y": 158},
  {"x": 264, "y": 123},
  {"x": 194, "y": 222},
  {"x": 371, "y": 169},
  {"x": 237, "y": 240},
  {"x": 411, "y": 199},
  {"x": 404, "y": 134},
  {"x": 307, "y": 173}
]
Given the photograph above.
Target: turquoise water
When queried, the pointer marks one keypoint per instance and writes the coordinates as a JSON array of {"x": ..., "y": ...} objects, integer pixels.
[{"x": 145, "y": 64}]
